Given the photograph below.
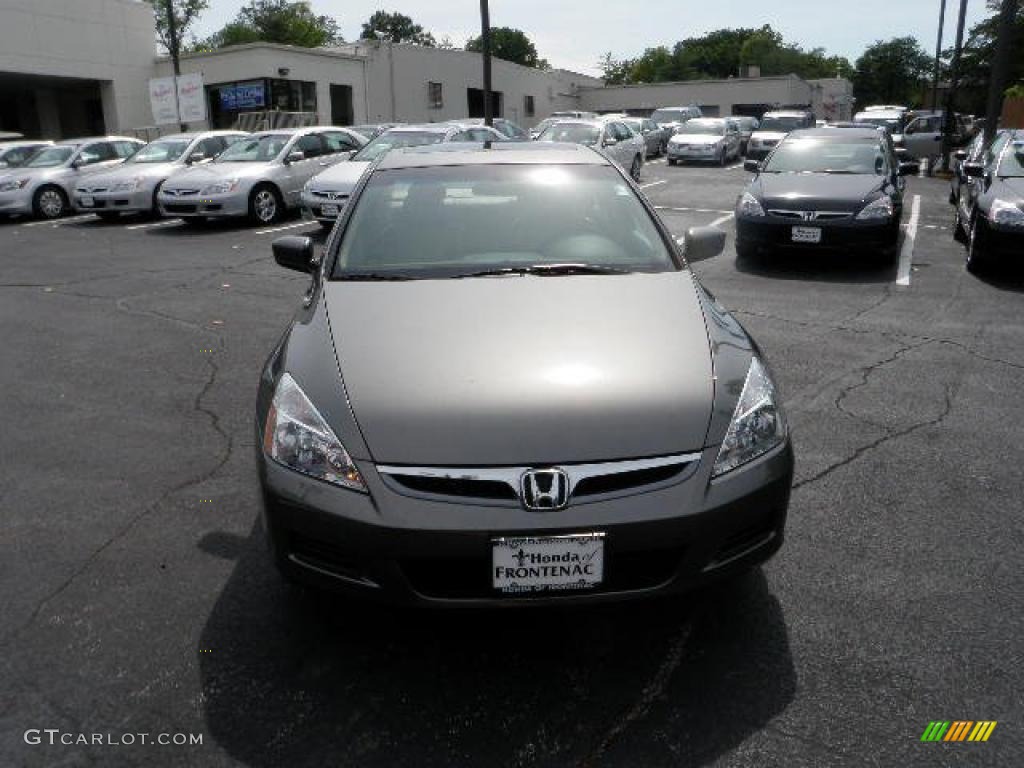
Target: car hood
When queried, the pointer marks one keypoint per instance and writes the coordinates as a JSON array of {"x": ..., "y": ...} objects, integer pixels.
[
  {"x": 211, "y": 172},
  {"x": 133, "y": 170},
  {"x": 695, "y": 138},
  {"x": 768, "y": 135},
  {"x": 341, "y": 177},
  {"x": 524, "y": 370},
  {"x": 816, "y": 191}
]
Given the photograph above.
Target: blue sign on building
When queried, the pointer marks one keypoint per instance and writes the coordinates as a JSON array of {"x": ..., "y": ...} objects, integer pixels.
[{"x": 242, "y": 96}]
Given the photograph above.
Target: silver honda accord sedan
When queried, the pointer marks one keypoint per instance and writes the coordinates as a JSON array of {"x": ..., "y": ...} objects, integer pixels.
[
  {"x": 505, "y": 386},
  {"x": 260, "y": 177},
  {"x": 132, "y": 186}
]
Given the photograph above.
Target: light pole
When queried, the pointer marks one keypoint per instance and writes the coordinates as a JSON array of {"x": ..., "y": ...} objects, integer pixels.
[
  {"x": 948, "y": 120},
  {"x": 485, "y": 39},
  {"x": 938, "y": 55},
  {"x": 172, "y": 34}
]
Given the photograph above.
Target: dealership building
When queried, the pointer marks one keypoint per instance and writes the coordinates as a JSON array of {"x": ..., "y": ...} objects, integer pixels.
[{"x": 82, "y": 67}]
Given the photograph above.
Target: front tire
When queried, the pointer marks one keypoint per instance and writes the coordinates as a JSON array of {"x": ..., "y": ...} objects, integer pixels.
[
  {"x": 634, "y": 169},
  {"x": 977, "y": 260},
  {"x": 959, "y": 233},
  {"x": 723, "y": 158},
  {"x": 50, "y": 203},
  {"x": 265, "y": 204}
]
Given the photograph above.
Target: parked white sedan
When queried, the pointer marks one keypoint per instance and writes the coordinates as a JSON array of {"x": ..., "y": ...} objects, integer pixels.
[
  {"x": 613, "y": 137},
  {"x": 711, "y": 139}
]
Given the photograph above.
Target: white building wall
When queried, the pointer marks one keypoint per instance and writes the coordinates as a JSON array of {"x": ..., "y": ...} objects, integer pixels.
[
  {"x": 722, "y": 95},
  {"x": 112, "y": 41},
  {"x": 257, "y": 60}
]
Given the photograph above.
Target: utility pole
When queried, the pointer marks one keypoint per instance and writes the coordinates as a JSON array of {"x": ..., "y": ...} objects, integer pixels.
[
  {"x": 1000, "y": 67},
  {"x": 172, "y": 34},
  {"x": 948, "y": 121},
  {"x": 485, "y": 21},
  {"x": 938, "y": 55}
]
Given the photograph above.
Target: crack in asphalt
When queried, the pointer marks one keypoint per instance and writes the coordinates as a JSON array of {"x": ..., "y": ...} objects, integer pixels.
[
  {"x": 653, "y": 691},
  {"x": 888, "y": 437}
]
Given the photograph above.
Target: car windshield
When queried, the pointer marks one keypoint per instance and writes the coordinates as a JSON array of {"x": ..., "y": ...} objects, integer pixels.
[
  {"x": 51, "y": 157},
  {"x": 445, "y": 222},
  {"x": 545, "y": 123},
  {"x": 892, "y": 123},
  {"x": 574, "y": 133},
  {"x": 1013, "y": 160},
  {"x": 258, "y": 149},
  {"x": 395, "y": 140},
  {"x": 668, "y": 116},
  {"x": 781, "y": 124},
  {"x": 703, "y": 127},
  {"x": 161, "y": 151},
  {"x": 827, "y": 156}
]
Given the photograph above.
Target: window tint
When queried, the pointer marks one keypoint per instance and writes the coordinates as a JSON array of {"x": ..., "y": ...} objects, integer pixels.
[
  {"x": 827, "y": 156},
  {"x": 211, "y": 146},
  {"x": 126, "y": 148},
  {"x": 437, "y": 222},
  {"x": 993, "y": 150},
  {"x": 574, "y": 133},
  {"x": 310, "y": 145},
  {"x": 340, "y": 142},
  {"x": 97, "y": 153}
]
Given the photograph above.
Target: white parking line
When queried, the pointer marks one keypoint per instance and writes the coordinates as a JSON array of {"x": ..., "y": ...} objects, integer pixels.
[
  {"x": 652, "y": 184},
  {"x": 722, "y": 219},
  {"x": 286, "y": 226},
  {"x": 154, "y": 224},
  {"x": 59, "y": 222},
  {"x": 907, "y": 251}
]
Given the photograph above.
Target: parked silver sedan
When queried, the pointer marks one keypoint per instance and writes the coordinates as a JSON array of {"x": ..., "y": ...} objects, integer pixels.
[
  {"x": 613, "y": 137},
  {"x": 654, "y": 136},
  {"x": 260, "y": 177},
  {"x": 712, "y": 139},
  {"x": 325, "y": 195},
  {"x": 42, "y": 186},
  {"x": 132, "y": 187}
]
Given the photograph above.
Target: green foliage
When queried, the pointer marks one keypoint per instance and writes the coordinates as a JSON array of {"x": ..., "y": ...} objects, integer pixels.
[
  {"x": 511, "y": 45},
  {"x": 892, "y": 72},
  {"x": 978, "y": 54},
  {"x": 289, "y": 22},
  {"x": 718, "y": 55},
  {"x": 186, "y": 12},
  {"x": 396, "y": 28}
]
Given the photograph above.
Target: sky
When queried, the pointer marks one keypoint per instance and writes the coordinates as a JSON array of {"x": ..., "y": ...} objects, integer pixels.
[{"x": 574, "y": 34}]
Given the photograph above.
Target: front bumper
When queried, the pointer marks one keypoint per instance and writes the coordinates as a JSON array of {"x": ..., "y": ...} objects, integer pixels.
[
  {"x": 136, "y": 201},
  {"x": 709, "y": 152},
  {"x": 323, "y": 208},
  {"x": 205, "y": 206},
  {"x": 1001, "y": 241},
  {"x": 387, "y": 546},
  {"x": 775, "y": 233},
  {"x": 16, "y": 202}
]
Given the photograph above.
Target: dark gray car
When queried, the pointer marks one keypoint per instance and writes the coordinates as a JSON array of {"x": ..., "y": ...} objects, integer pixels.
[{"x": 506, "y": 386}]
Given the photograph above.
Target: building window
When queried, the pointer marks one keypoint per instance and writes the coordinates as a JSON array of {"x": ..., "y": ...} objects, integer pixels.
[
  {"x": 435, "y": 99},
  {"x": 528, "y": 106}
]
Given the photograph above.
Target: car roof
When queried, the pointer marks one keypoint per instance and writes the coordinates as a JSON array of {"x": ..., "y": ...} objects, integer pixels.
[
  {"x": 786, "y": 113},
  {"x": 194, "y": 134},
  {"x": 15, "y": 143},
  {"x": 832, "y": 132},
  {"x": 498, "y": 153},
  {"x": 89, "y": 139}
]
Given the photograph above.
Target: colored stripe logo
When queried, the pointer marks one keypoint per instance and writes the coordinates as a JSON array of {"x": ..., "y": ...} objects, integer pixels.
[{"x": 958, "y": 730}]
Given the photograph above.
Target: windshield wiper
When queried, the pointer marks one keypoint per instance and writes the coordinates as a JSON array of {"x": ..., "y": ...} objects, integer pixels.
[
  {"x": 384, "y": 276},
  {"x": 547, "y": 269}
]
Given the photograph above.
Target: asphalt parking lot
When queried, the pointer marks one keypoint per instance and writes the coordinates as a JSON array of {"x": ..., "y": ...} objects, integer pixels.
[{"x": 138, "y": 596}]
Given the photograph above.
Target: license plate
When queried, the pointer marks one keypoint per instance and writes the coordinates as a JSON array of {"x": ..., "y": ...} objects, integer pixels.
[
  {"x": 806, "y": 234},
  {"x": 547, "y": 563},
  {"x": 87, "y": 201},
  {"x": 329, "y": 210}
]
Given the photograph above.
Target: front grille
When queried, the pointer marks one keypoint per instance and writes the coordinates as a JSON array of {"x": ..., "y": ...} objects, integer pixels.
[
  {"x": 744, "y": 540},
  {"x": 181, "y": 192},
  {"x": 813, "y": 215},
  {"x": 458, "y": 487},
  {"x": 339, "y": 197},
  {"x": 625, "y": 481},
  {"x": 323, "y": 556},
  {"x": 470, "y": 578}
]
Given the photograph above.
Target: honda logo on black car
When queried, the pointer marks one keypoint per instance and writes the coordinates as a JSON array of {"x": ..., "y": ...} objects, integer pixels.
[{"x": 545, "y": 489}]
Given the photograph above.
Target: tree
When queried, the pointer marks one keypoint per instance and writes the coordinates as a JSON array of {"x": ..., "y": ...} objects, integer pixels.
[
  {"x": 891, "y": 72},
  {"x": 978, "y": 55},
  {"x": 511, "y": 45},
  {"x": 616, "y": 71},
  {"x": 186, "y": 13},
  {"x": 289, "y": 22},
  {"x": 396, "y": 28}
]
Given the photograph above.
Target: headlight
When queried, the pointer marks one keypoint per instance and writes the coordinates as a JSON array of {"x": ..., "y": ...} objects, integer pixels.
[
  {"x": 220, "y": 187},
  {"x": 757, "y": 423},
  {"x": 749, "y": 206},
  {"x": 129, "y": 185},
  {"x": 297, "y": 436},
  {"x": 13, "y": 184},
  {"x": 877, "y": 209},
  {"x": 1006, "y": 213}
]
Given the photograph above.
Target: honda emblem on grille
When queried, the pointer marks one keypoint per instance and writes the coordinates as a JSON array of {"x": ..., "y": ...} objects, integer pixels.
[
  {"x": 810, "y": 215},
  {"x": 542, "y": 489}
]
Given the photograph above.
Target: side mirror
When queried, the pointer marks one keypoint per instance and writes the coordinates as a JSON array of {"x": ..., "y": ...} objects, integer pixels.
[
  {"x": 909, "y": 168},
  {"x": 960, "y": 155},
  {"x": 609, "y": 142},
  {"x": 294, "y": 252},
  {"x": 751, "y": 165},
  {"x": 975, "y": 170},
  {"x": 701, "y": 243},
  {"x": 294, "y": 156},
  {"x": 196, "y": 157}
]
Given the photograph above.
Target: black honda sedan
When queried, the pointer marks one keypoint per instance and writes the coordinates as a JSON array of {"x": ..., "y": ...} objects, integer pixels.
[
  {"x": 990, "y": 211},
  {"x": 833, "y": 189}
]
